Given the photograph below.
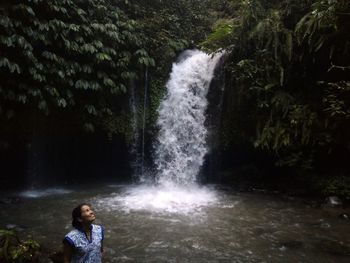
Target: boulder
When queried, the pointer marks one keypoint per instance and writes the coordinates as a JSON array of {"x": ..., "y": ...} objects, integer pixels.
[
  {"x": 344, "y": 216},
  {"x": 333, "y": 201},
  {"x": 291, "y": 244},
  {"x": 10, "y": 200}
]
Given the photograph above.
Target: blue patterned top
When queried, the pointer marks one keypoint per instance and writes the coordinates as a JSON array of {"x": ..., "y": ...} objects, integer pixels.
[{"x": 85, "y": 250}]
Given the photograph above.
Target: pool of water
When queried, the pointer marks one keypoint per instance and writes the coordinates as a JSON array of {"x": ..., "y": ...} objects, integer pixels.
[{"x": 201, "y": 224}]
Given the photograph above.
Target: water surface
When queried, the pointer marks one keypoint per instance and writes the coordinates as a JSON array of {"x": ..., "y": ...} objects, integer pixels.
[{"x": 146, "y": 224}]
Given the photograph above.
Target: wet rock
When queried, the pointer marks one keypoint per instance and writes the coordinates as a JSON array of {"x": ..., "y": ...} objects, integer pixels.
[
  {"x": 291, "y": 244},
  {"x": 10, "y": 226},
  {"x": 312, "y": 203},
  {"x": 282, "y": 248},
  {"x": 15, "y": 227},
  {"x": 334, "y": 247},
  {"x": 333, "y": 201},
  {"x": 10, "y": 200},
  {"x": 325, "y": 225},
  {"x": 344, "y": 216},
  {"x": 322, "y": 223}
]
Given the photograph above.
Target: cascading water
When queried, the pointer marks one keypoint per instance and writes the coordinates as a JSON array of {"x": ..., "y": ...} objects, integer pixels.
[
  {"x": 142, "y": 178},
  {"x": 181, "y": 145},
  {"x": 133, "y": 150},
  {"x": 137, "y": 145}
]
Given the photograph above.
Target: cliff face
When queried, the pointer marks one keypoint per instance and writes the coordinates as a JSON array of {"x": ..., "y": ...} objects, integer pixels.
[{"x": 57, "y": 160}]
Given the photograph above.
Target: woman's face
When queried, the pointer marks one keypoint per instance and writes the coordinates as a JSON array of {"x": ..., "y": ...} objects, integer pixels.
[{"x": 87, "y": 215}]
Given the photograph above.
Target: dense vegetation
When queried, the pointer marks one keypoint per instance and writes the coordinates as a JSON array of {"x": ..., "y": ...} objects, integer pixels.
[
  {"x": 76, "y": 58},
  {"x": 168, "y": 27},
  {"x": 288, "y": 81},
  {"x": 68, "y": 65},
  {"x": 66, "y": 57},
  {"x": 12, "y": 249}
]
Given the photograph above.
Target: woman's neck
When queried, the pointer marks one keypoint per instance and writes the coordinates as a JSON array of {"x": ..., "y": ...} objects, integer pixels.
[{"x": 87, "y": 228}]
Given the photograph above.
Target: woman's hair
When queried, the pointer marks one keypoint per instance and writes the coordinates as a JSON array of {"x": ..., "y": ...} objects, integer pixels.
[{"x": 76, "y": 213}]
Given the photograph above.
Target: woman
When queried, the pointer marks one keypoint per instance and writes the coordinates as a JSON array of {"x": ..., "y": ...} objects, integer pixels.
[{"x": 84, "y": 243}]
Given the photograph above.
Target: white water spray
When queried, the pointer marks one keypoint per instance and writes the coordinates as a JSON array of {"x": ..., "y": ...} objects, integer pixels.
[{"x": 181, "y": 145}]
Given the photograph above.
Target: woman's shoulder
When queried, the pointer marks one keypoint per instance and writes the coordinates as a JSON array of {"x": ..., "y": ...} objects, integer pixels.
[
  {"x": 99, "y": 230},
  {"x": 72, "y": 236},
  {"x": 97, "y": 227},
  {"x": 73, "y": 232}
]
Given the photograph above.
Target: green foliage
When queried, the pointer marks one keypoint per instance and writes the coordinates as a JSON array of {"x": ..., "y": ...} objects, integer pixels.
[
  {"x": 336, "y": 100},
  {"x": 288, "y": 79},
  {"x": 323, "y": 24},
  {"x": 220, "y": 37},
  {"x": 168, "y": 27},
  {"x": 12, "y": 249},
  {"x": 338, "y": 185},
  {"x": 71, "y": 56},
  {"x": 72, "y": 61},
  {"x": 118, "y": 124}
]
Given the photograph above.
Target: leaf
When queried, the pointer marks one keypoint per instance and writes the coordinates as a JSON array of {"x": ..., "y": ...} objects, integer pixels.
[
  {"x": 91, "y": 109},
  {"x": 61, "y": 102},
  {"x": 103, "y": 56},
  {"x": 22, "y": 98},
  {"x": 42, "y": 105},
  {"x": 89, "y": 127}
]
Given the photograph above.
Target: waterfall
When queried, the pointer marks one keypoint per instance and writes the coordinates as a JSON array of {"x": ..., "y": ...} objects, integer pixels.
[
  {"x": 142, "y": 178},
  {"x": 133, "y": 150},
  {"x": 181, "y": 144},
  {"x": 137, "y": 145}
]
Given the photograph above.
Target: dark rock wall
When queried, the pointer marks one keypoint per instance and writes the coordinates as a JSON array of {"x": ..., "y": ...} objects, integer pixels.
[{"x": 57, "y": 160}]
